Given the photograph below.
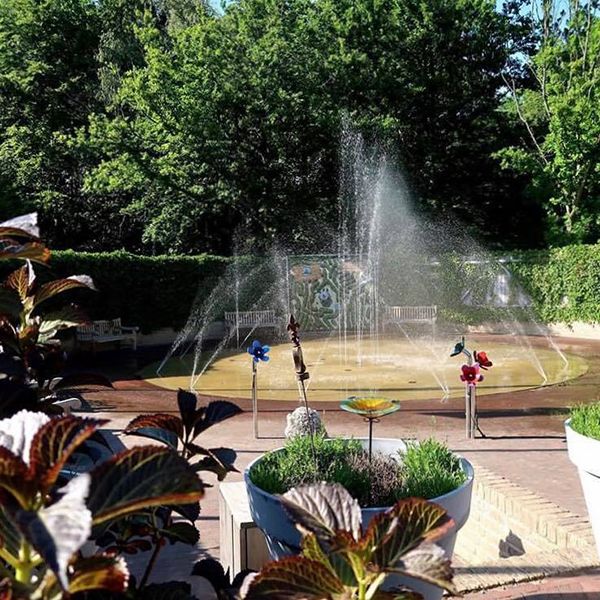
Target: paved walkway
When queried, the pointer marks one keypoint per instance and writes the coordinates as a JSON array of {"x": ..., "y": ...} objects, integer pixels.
[
  {"x": 580, "y": 586},
  {"x": 525, "y": 444}
]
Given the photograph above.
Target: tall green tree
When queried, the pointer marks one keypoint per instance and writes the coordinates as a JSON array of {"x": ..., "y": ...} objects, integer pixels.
[
  {"x": 559, "y": 113},
  {"x": 48, "y": 84},
  {"x": 235, "y": 120}
]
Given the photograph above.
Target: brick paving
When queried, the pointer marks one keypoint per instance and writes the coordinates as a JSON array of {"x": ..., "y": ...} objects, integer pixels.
[
  {"x": 578, "y": 586},
  {"x": 525, "y": 445}
]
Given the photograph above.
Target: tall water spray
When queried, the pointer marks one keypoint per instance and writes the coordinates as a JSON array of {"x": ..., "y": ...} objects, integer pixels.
[{"x": 382, "y": 253}]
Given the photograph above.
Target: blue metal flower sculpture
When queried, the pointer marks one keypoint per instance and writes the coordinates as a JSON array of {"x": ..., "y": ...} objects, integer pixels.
[{"x": 258, "y": 351}]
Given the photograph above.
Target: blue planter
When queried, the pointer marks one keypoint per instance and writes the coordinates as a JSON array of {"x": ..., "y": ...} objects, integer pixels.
[{"x": 283, "y": 539}]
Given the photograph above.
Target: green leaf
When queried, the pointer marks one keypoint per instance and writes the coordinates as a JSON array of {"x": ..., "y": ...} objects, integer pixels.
[
  {"x": 55, "y": 442},
  {"x": 294, "y": 579},
  {"x": 142, "y": 477},
  {"x": 99, "y": 572},
  {"x": 337, "y": 562},
  {"x": 402, "y": 528},
  {"x": 323, "y": 509}
]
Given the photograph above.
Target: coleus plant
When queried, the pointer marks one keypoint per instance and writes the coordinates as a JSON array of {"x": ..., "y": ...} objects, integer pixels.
[
  {"x": 151, "y": 530},
  {"x": 180, "y": 432},
  {"x": 20, "y": 239},
  {"x": 32, "y": 360},
  {"x": 341, "y": 561},
  {"x": 44, "y": 522},
  {"x": 25, "y": 327}
]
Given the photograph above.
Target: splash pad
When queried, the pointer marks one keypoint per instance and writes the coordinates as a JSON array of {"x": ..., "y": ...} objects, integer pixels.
[{"x": 397, "y": 368}]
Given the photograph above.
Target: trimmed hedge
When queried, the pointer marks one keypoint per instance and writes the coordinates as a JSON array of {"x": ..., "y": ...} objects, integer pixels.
[
  {"x": 159, "y": 291},
  {"x": 149, "y": 291},
  {"x": 563, "y": 282}
]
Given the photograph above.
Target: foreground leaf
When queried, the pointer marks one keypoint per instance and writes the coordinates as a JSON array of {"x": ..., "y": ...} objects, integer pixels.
[
  {"x": 323, "y": 509},
  {"x": 61, "y": 529},
  {"x": 53, "y": 288},
  {"x": 17, "y": 432},
  {"x": 99, "y": 572},
  {"x": 294, "y": 579},
  {"x": 22, "y": 226},
  {"x": 428, "y": 563},
  {"x": 161, "y": 427},
  {"x": 55, "y": 442},
  {"x": 402, "y": 528},
  {"x": 142, "y": 477},
  {"x": 216, "y": 460},
  {"x": 34, "y": 251},
  {"x": 214, "y": 413}
]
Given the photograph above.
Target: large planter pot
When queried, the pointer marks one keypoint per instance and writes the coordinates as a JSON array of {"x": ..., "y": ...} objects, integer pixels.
[
  {"x": 283, "y": 538},
  {"x": 584, "y": 453}
]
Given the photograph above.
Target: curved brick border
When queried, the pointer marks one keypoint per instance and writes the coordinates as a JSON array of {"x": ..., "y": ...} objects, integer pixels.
[{"x": 559, "y": 541}]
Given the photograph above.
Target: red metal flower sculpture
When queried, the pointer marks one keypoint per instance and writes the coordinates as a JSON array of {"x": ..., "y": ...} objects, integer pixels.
[
  {"x": 482, "y": 359},
  {"x": 470, "y": 374}
]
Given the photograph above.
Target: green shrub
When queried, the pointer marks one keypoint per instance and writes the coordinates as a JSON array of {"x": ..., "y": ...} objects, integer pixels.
[
  {"x": 427, "y": 470},
  {"x": 159, "y": 291},
  {"x": 148, "y": 291},
  {"x": 585, "y": 419}
]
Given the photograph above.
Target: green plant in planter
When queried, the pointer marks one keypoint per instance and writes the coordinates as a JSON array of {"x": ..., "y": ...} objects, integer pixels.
[
  {"x": 430, "y": 469},
  {"x": 339, "y": 560},
  {"x": 426, "y": 470},
  {"x": 585, "y": 419},
  {"x": 45, "y": 520}
]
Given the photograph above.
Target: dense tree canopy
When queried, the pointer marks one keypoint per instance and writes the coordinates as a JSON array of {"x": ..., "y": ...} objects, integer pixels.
[
  {"x": 162, "y": 126},
  {"x": 560, "y": 116}
]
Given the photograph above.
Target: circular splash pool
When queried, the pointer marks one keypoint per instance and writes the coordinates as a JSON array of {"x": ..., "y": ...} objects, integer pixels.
[{"x": 399, "y": 369}]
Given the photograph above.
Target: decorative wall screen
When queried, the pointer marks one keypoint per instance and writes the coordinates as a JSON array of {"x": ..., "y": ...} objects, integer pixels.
[{"x": 331, "y": 292}]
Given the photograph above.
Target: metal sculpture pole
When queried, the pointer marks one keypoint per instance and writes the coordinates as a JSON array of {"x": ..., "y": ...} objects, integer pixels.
[
  {"x": 471, "y": 376},
  {"x": 254, "y": 400},
  {"x": 301, "y": 376},
  {"x": 470, "y": 395}
]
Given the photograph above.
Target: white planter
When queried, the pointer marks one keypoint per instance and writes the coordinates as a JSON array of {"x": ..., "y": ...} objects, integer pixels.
[
  {"x": 282, "y": 535},
  {"x": 584, "y": 453}
]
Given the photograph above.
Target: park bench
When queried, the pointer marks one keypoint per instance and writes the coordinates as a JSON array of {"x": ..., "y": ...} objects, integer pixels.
[
  {"x": 399, "y": 315},
  {"x": 110, "y": 330},
  {"x": 251, "y": 319}
]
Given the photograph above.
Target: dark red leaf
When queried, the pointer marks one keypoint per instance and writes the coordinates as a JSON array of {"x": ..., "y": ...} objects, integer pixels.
[{"x": 55, "y": 442}]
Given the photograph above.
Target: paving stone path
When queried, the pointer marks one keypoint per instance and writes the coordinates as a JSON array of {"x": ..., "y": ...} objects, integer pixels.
[{"x": 525, "y": 445}]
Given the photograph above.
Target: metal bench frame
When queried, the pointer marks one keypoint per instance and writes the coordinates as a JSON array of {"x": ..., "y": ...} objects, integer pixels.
[
  {"x": 251, "y": 319},
  {"x": 410, "y": 314},
  {"x": 104, "y": 331}
]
